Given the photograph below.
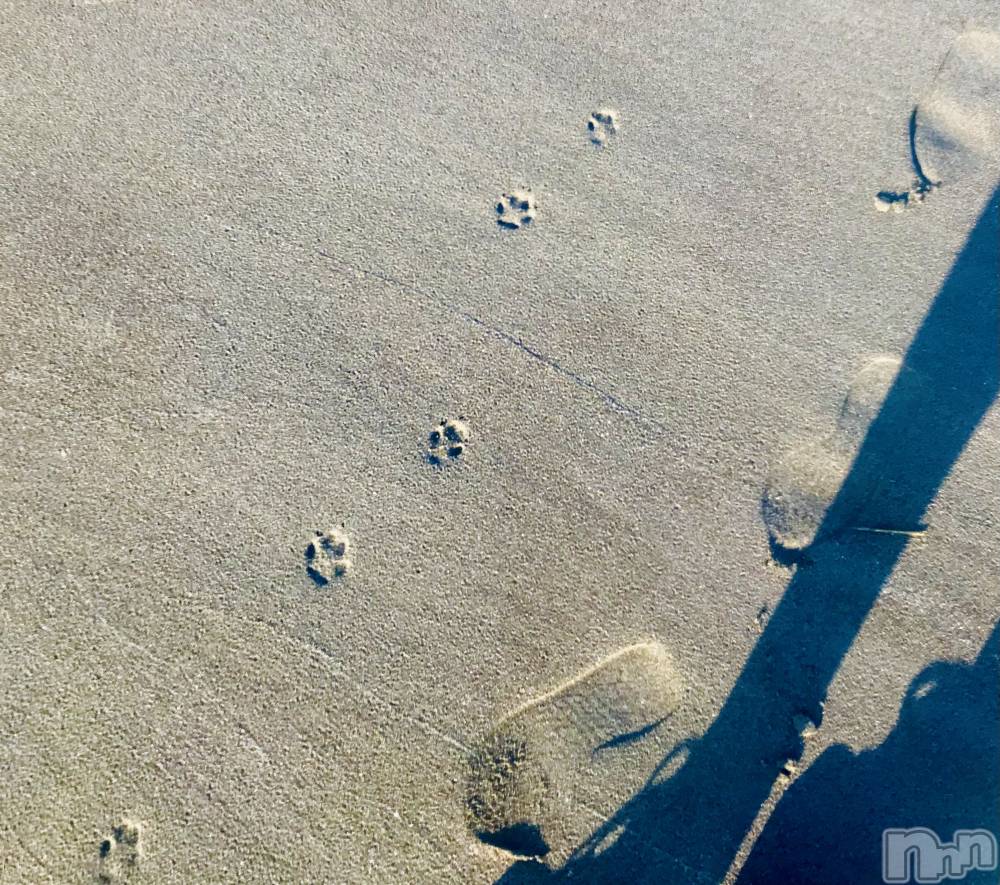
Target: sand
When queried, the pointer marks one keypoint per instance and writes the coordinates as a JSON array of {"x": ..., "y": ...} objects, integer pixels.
[{"x": 253, "y": 255}]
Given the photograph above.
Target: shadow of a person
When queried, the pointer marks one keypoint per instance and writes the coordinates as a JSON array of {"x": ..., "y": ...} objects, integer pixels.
[{"x": 939, "y": 768}]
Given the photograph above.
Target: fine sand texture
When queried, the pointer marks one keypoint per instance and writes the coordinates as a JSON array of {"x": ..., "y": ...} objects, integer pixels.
[{"x": 476, "y": 442}]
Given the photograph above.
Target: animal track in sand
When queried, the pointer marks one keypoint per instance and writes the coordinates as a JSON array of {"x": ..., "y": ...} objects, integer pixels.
[
  {"x": 534, "y": 777},
  {"x": 118, "y": 854},
  {"x": 447, "y": 442},
  {"x": 955, "y": 127},
  {"x": 804, "y": 482},
  {"x": 602, "y": 125},
  {"x": 326, "y": 556},
  {"x": 516, "y": 209}
]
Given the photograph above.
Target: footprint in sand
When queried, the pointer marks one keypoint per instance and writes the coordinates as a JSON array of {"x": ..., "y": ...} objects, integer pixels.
[
  {"x": 955, "y": 127},
  {"x": 118, "y": 854},
  {"x": 798, "y": 491},
  {"x": 602, "y": 125},
  {"x": 539, "y": 776},
  {"x": 326, "y": 556},
  {"x": 865, "y": 396},
  {"x": 447, "y": 442},
  {"x": 803, "y": 483},
  {"x": 516, "y": 209}
]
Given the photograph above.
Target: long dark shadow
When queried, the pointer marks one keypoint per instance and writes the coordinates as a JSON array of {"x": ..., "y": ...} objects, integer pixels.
[
  {"x": 688, "y": 828},
  {"x": 938, "y": 769}
]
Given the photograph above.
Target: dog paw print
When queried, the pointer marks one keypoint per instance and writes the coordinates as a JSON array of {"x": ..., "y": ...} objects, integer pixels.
[
  {"x": 897, "y": 201},
  {"x": 516, "y": 209},
  {"x": 602, "y": 125},
  {"x": 326, "y": 556},
  {"x": 447, "y": 441},
  {"x": 118, "y": 854}
]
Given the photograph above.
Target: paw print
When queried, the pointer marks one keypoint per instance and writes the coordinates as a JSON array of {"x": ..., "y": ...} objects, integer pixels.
[
  {"x": 897, "y": 201},
  {"x": 516, "y": 209},
  {"x": 119, "y": 854},
  {"x": 602, "y": 125},
  {"x": 447, "y": 441},
  {"x": 326, "y": 556}
]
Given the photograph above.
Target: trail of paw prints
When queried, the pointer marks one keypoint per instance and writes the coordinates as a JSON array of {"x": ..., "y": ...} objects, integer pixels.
[
  {"x": 803, "y": 484},
  {"x": 955, "y": 127},
  {"x": 602, "y": 125},
  {"x": 447, "y": 442},
  {"x": 516, "y": 210},
  {"x": 326, "y": 556},
  {"x": 119, "y": 854}
]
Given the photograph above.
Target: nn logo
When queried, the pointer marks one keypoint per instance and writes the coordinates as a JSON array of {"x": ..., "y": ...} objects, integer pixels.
[{"x": 918, "y": 855}]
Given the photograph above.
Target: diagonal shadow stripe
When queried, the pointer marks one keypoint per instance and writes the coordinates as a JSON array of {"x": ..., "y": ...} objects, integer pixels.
[{"x": 687, "y": 829}]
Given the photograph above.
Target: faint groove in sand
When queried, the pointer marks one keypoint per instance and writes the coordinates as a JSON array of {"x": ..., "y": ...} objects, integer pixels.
[
  {"x": 448, "y": 739},
  {"x": 609, "y": 399},
  {"x": 193, "y": 773},
  {"x": 30, "y": 851},
  {"x": 318, "y": 651},
  {"x": 373, "y": 698},
  {"x": 209, "y": 696},
  {"x": 334, "y": 668}
]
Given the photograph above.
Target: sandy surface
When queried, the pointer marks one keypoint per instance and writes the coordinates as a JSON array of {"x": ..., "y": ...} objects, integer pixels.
[{"x": 250, "y": 259}]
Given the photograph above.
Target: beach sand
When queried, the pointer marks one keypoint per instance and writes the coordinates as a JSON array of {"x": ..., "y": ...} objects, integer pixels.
[{"x": 254, "y": 256}]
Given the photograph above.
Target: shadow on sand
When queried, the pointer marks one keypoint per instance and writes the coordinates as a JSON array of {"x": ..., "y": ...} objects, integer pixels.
[
  {"x": 687, "y": 828},
  {"x": 939, "y": 769}
]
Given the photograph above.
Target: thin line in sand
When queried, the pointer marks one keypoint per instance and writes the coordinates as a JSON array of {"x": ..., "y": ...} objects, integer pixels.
[
  {"x": 612, "y": 401},
  {"x": 370, "y": 696},
  {"x": 334, "y": 669},
  {"x": 192, "y": 772},
  {"x": 30, "y": 851}
]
